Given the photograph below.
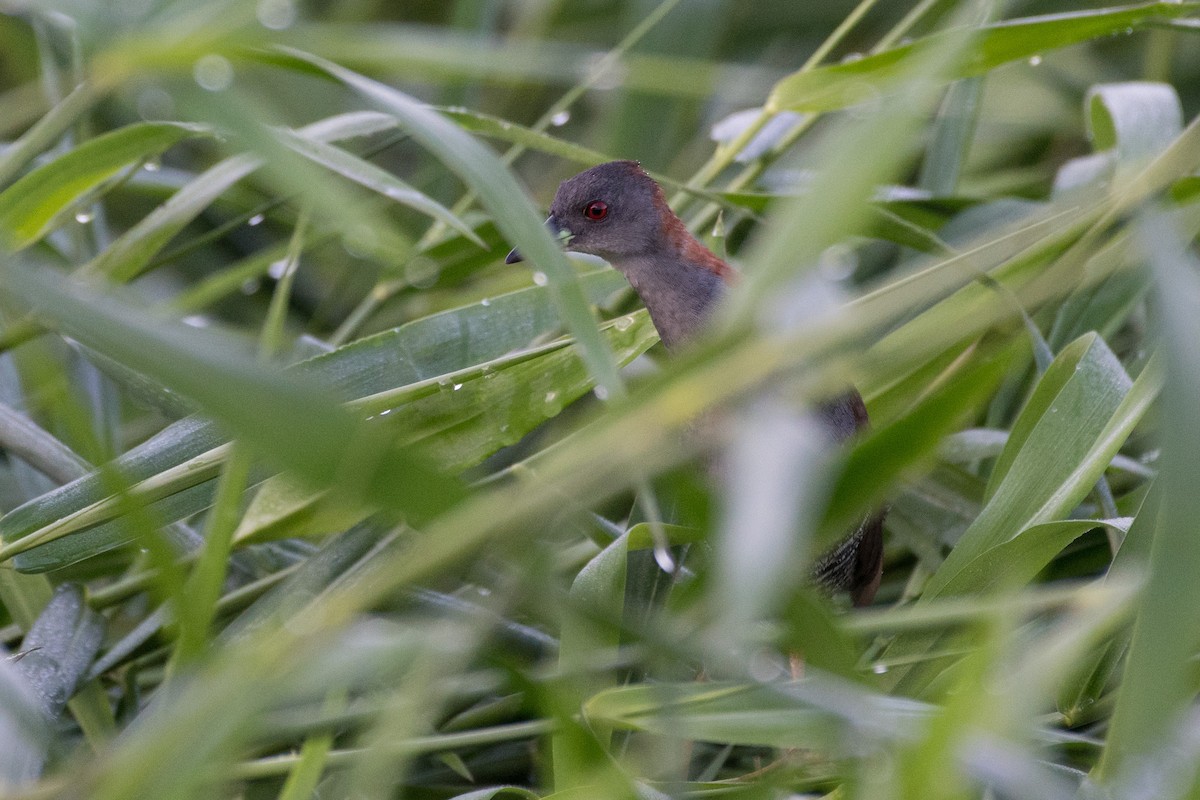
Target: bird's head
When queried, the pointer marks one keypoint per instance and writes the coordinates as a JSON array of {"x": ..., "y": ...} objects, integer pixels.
[{"x": 614, "y": 210}]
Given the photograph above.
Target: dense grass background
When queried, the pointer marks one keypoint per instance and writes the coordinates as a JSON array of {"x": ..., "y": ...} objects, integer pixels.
[{"x": 307, "y": 494}]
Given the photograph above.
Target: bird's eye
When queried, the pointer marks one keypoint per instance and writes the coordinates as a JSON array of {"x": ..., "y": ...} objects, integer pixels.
[{"x": 596, "y": 210}]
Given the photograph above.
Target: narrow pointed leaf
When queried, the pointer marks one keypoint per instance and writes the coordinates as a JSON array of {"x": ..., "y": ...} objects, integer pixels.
[{"x": 31, "y": 206}]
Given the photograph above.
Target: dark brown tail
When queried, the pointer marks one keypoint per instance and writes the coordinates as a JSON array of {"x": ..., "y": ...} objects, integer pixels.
[{"x": 856, "y": 564}]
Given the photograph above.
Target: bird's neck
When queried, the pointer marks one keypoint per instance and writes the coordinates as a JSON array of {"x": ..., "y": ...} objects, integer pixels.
[{"x": 680, "y": 288}]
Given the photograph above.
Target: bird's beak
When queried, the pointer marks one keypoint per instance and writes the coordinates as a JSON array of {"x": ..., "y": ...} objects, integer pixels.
[{"x": 556, "y": 231}]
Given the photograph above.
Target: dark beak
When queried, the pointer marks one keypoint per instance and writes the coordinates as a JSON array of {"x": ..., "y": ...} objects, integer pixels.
[{"x": 555, "y": 230}]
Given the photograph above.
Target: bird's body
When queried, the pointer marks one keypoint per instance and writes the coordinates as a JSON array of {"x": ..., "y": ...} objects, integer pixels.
[{"x": 618, "y": 212}]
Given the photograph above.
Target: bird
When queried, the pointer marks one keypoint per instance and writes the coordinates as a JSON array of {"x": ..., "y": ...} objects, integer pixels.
[{"x": 618, "y": 212}]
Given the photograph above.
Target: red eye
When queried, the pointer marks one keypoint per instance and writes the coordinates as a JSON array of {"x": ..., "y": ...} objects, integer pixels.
[{"x": 596, "y": 210}]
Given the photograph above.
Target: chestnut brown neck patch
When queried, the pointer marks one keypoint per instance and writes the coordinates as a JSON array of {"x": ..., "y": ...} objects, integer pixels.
[{"x": 679, "y": 239}]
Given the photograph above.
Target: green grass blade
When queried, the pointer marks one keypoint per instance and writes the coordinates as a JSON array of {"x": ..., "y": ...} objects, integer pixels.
[
  {"x": 374, "y": 178},
  {"x": 32, "y": 206},
  {"x": 207, "y": 370},
  {"x": 1159, "y": 679},
  {"x": 130, "y": 254},
  {"x": 841, "y": 85}
]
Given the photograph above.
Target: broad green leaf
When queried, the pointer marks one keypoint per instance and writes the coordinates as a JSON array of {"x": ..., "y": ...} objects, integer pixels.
[
  {"x": 462, "y": 417},
  {"x": 1073, "y": 424},
  {"x": 1078, "y": 417},
  {"x": 1017, "y": 561},
  {"x": 30, "y": 207},
  {"x": 425, "y": 349},
  {"x": 841, "y": 85}
]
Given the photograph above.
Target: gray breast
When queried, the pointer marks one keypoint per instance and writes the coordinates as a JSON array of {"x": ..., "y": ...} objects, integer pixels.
[{"x": 680, "y": 297}]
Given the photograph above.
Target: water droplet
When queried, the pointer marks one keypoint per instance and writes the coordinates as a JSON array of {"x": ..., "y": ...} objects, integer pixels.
[
  {"x": 551, "y": 396},
  {"x": 385, "y": 412},
  {"x": 213, "y": 72},
  {"x": 257, "y": 219},
  {"x": 540, "y": 279},
  {"x": 850, "y": 58},
  {"x": 276, "y": 14},
  {"x": 250, "y": 286},
  {"x": 485, "y": 591},
  {"x": 560, "y": 119},
  {"x": 623, "y": 323},
  {"x": 84, "y": 217},
  {"x": 457, "y": 386},
  {"x": 1035, "y": 60},
  {"x": 278, "y": 268},
  {"x": 196, "y": 321},
  {"x": 152, "y": 166},
  {"x": 601, "y": 392},
  {"x": 880, "y": 669},
  {"x": 485, "y": 302}
]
